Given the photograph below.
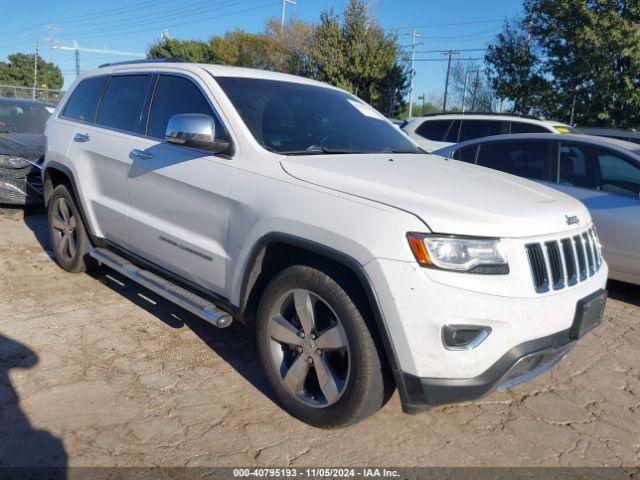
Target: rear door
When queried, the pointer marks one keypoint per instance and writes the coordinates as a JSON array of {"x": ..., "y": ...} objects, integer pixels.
[
  {"x": 107, "y": 111},
  {"x": 178, "y": 196},
  {"x": 608, "y": 183}
]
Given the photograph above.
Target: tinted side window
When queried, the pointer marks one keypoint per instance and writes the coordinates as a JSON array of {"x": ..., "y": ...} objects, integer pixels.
[
  {"x": 433, "y": 129},
  {"x": 577, "y": 166},
  {"x": 122, "y": 102},
  {"x": 452, "y": 134},
  {"x": 467, "y": 154},
  {"x": 523, "y": 127},
  {"x": 618, "y": 175},
  {"x": 175, "y": 95},
  {"x": 84, "y": 100},
  {"x": 482, "y": 128},
  {"x": 524, "y": 159}
]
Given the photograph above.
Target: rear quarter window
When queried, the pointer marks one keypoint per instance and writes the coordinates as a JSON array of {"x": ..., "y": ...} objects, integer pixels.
[
  {"x": 433, "y": 129},
  {"x": 83, "y": 102},
  {"x": 524, "y": 127}
]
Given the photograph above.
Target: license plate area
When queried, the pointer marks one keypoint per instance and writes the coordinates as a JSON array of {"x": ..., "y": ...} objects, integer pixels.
[{"x": 589, "y": 312}]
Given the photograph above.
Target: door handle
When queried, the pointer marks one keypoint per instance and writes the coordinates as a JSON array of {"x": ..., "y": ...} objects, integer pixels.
[
  {"x": 141, "y": 154},
  {"x": 81, "y": 137}
]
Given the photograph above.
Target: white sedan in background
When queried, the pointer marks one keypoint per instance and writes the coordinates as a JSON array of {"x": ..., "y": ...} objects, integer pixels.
[{"x": 603, "y": 173}]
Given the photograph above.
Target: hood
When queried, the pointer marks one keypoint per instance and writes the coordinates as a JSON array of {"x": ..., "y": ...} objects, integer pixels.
[
  {"x": 449, "y": 196},
  {"x": 25, "y": 145}
]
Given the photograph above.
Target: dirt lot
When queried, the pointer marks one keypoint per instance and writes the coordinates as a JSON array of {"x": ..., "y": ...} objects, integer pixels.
[{"x": 97, "y": 371}]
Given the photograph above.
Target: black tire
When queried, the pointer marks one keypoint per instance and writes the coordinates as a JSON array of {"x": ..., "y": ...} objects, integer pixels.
[
  {"x": 363, "y": 392},
  {"x": 72, "y": 255}
]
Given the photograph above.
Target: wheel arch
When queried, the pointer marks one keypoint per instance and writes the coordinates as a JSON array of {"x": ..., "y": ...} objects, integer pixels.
[
  {"x": 275, "y": 251},
  {"x": 55, "y": 174}
]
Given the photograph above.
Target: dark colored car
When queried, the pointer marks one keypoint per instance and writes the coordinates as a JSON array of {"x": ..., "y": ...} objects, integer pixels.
[{"x": 21, "y": 150}]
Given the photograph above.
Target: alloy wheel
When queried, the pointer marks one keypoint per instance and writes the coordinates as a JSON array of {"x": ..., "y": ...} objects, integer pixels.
[
  {"x": 65, "y": 229},
  {"x": 309, "y": 348}
]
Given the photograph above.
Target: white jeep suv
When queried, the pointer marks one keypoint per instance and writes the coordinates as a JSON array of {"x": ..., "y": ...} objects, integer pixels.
[{"x": 362, "y": 263}]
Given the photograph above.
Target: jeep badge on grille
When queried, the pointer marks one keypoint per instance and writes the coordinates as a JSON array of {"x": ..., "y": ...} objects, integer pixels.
[{"x": 572, "y": 220}]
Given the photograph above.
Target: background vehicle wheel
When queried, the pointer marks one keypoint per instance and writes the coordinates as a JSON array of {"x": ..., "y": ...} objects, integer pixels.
[
  {"x": 68, "y": 236},
  {"x": 316, "y": 349}
]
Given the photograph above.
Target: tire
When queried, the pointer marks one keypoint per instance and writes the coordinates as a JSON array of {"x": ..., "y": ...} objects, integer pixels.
[
  {"x": 344, "y": 360},
  {"x": 67, "y": 233}
]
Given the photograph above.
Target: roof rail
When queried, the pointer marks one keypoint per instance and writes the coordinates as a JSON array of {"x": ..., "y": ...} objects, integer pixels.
[
  {"x": 146, "y": 60},
  {"x": 531, "y": 117}
]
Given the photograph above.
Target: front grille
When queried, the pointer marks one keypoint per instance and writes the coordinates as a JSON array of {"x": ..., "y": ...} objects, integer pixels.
[{"x": 556, "y": 264}]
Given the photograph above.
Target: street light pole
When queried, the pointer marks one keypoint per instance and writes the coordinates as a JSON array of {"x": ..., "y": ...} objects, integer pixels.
[{"x": 282, "y": 13}]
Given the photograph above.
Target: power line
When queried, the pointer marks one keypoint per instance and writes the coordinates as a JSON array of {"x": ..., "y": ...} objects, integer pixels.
[
  {"x": 438, "y": 25},
  {"x": 128, "y": 30},
  {"x": 189, "y": 10}
]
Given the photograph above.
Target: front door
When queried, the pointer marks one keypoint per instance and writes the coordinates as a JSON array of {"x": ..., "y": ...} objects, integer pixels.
[{"x": 178, "y": 196}]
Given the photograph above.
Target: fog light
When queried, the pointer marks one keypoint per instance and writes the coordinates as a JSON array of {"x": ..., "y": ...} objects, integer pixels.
[{"x": 464, "y": 337}]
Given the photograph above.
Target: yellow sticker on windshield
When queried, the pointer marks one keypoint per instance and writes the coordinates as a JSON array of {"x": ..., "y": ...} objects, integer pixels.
[{"x": 562, "y": 129}]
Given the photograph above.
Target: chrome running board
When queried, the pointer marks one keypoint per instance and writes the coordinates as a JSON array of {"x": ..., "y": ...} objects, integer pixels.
[{"x": 182, "y": 297}]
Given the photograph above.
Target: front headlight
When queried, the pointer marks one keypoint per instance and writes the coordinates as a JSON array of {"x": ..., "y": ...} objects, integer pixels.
[
  {"x": 9, "y": 161},
  {"x": 460, "y": 254}
]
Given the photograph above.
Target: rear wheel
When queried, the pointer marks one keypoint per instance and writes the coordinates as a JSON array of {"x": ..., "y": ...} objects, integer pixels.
[
  {"x": 67, "y": 233},
  {"x": 317, "y": 350}
]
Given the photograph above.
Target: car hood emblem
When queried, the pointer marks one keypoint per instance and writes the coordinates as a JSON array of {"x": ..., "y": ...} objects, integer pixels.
[{"x": 572, "y": 219}]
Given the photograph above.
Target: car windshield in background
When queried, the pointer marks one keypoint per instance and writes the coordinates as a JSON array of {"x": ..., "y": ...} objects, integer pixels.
[
  {"x": 23, "y": 117},
  {"x": 294, "y": 118}
]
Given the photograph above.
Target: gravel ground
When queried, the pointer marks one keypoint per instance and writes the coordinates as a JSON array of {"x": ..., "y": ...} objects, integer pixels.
[{"x": 96, "y": 371}]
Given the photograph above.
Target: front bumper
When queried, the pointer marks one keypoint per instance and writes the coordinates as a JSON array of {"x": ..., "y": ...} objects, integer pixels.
[
  {"x": 518, "y": 365},
  {"x": 21, "y": 186}
]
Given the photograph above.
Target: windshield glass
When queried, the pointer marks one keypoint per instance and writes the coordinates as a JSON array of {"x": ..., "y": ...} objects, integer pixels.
[
  {"x": 293, "y": 118},
  {"x": 22, "y": 117}
]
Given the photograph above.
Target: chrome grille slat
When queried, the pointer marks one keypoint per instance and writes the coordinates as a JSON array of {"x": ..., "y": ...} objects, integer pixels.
[
  {"x": 564, "y": 262},
  {"x": 587, "y": 247}
]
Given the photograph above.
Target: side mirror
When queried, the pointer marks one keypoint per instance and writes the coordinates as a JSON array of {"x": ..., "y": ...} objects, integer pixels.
[{"x": 194, "y": 130}]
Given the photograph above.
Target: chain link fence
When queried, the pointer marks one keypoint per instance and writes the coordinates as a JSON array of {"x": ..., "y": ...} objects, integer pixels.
[{"x": 44, "y": 94}]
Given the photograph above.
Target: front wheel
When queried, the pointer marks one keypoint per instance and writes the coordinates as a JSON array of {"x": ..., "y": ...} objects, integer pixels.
[
  {"x": 316, "y": 349},
  {"x": 67, "y": 233}
]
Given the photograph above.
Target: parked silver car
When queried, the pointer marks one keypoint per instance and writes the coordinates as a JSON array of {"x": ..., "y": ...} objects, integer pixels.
[{"x": 604, "y": 173}]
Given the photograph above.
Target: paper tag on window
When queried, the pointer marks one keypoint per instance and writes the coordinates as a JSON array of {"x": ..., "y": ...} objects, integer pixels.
[{"x": 365, "y": 109}]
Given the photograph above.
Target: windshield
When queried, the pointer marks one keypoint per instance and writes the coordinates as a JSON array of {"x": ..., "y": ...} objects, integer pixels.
[
  {"x": 293, "y": 118},
  {"x": 23, "y": 117}
]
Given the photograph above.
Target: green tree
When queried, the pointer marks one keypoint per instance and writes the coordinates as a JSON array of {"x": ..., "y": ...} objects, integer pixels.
[
  {"x": 566, "y": 53},
  {"x": 354, "y": 53},
  {"x": 19, "y": 71},
  {"x": 190, "y": 50}
]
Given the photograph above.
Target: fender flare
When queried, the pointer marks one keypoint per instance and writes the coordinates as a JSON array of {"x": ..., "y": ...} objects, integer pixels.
[
  {"x": 56, "y": 166},
  {"x": 339, "y": 257}
]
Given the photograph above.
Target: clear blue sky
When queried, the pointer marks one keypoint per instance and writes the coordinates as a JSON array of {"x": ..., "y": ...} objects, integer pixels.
[{"x": 131, "y": 25}]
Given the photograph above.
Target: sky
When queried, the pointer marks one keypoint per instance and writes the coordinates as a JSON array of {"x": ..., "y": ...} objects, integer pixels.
[{"x": 131, "y": 25}]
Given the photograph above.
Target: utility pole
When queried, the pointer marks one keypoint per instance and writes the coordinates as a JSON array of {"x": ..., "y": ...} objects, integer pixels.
[
  {"x": 573, "y": 105},
  {"x": 76, "y": 50},
  {"x": 476, "y": 84},
  {"x": 35, "y": 72},
  {"x": 422, "y": 97},
  {"x": 51, "y": 39},
  {"x": 412, "y": 73},
  {"x": 464, "y": 90},
  {"x": 446, "y": 82},
  {"x": 284, "y": 7}
]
